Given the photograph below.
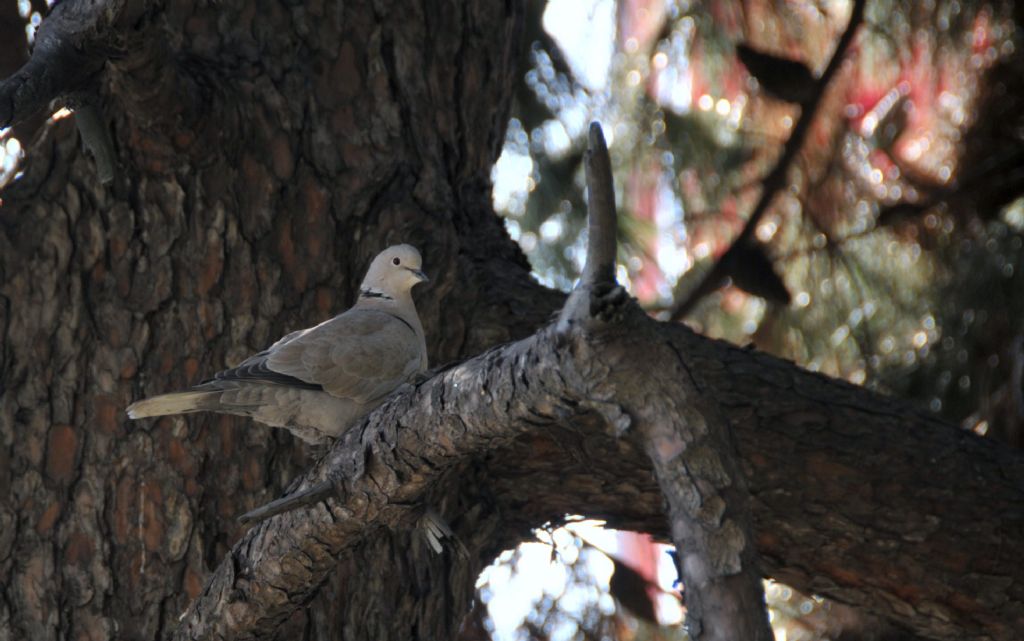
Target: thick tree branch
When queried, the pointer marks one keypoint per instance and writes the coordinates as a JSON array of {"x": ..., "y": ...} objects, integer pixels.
[
  {"x": 597, "y": 285},
  {"x": 776, "y": 180},
  {"x": 108, "y": 60},
  {"x": 855, "y": 496},
  {"x": 71, "y": 46},
  {"x": 689, "y": 443},
  {"x": 687, "y": 440},
  {"x": 382, "y": 471}
]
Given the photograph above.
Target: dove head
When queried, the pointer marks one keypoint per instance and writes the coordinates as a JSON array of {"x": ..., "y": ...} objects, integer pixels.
[{"x": 393, "y": 273}]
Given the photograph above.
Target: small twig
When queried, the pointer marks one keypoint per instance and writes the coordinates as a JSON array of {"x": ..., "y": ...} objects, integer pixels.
[
  {"x": 437, "y": 531},
  {"x": 776, "y": 180},
  {"x": 309, "y": 496}
]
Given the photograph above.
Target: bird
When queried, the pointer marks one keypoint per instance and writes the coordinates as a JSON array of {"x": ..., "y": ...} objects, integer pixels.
[
  {"x": 783, "y": 78},
  {"x": 317, "y": 382}
]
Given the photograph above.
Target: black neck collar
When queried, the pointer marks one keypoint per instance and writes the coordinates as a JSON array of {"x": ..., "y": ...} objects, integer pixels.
[{"x": 373, "y": 293}]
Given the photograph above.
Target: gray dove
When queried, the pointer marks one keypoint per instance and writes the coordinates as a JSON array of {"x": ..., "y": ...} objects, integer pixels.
[{"x": 316, "y": 382}]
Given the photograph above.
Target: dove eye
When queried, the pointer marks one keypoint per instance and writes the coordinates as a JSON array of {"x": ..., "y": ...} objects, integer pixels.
[{"x": 396, "y": 261}]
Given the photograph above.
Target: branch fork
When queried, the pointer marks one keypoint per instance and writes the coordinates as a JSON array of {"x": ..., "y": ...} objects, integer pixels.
[{"x": 690, "y": 449}]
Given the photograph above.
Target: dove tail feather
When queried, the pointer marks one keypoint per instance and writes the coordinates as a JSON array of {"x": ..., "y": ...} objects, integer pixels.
[{"x": 176, "y": 403}]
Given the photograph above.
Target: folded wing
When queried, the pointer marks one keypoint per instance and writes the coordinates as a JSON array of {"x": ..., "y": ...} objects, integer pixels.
[{"x": 361, "y": 355}]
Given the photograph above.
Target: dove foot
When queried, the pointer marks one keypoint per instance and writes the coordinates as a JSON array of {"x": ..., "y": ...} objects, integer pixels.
[{"x": 607, "y": 300}]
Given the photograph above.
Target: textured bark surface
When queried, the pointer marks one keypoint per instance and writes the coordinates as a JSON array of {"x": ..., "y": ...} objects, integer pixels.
[
  {"x": 268, "y": 151},
  {"x": 529, "y": 432},
  {"x": 691, "y": 449}
]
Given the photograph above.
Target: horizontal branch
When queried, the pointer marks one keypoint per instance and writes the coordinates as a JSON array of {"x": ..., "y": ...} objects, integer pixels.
[{"x": 854, "y": 496}]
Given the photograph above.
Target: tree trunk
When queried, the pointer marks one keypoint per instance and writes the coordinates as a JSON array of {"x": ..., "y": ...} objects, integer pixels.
[{"x": 267, "y": 151}]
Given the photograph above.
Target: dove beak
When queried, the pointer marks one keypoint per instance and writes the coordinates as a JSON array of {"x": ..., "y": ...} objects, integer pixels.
[{"x": 418, "y": 273}]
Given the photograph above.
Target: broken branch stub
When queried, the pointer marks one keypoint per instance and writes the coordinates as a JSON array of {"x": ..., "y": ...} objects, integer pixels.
[
  {"x": 691, "y": 451},
  {"x": 597, "y": 291},
  {"x": 602, "y": 223}
]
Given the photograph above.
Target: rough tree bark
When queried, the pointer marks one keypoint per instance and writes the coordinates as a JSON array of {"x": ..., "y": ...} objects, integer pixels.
[{"x": 267, "y": 151}]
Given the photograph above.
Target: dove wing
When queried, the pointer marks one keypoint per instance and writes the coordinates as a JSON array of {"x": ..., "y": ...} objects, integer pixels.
[{"x": 361, "y": 354}]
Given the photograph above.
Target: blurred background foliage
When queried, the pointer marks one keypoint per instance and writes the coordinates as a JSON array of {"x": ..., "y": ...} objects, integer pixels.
[
  {"x": 898, "y": 232},
  {"x": 891, "y": 255}
]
